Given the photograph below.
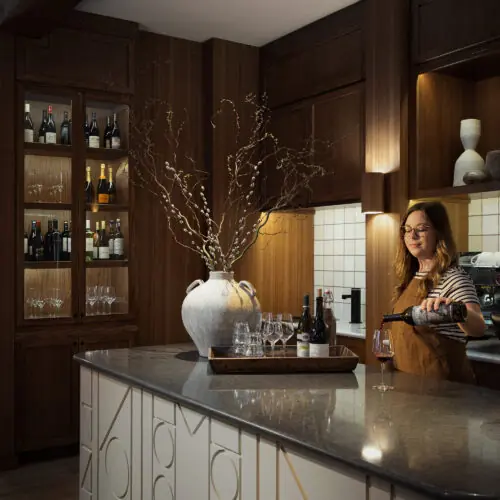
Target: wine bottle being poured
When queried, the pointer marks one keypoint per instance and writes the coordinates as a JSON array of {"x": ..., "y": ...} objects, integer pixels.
[{"x": 456, "y": 312}]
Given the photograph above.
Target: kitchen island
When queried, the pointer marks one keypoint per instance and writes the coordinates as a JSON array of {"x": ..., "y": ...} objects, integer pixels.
[{"x": 156, "y": 423}]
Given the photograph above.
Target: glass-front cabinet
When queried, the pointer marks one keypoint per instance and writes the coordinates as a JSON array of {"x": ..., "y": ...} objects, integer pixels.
[{"x": 73, "y": 207}]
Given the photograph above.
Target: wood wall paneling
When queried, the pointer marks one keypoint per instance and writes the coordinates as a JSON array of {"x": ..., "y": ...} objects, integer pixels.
[
  {"x": 169, "y": 70},
  {"x": 280, "y": 265},
  {"x": 7, "y": 250}
]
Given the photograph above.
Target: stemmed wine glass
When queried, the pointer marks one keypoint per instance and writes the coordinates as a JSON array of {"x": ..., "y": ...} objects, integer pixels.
[
  {"x": 383, "y": 350},
  {"x": 288, "y": 330},
  {"x": 91, "y": 298},
  {"x": 265, "y": 325},
  {"x": 110, "y": 296},
  {"x": 275, "y": 332},
  {"x": 56, "y": 301}
]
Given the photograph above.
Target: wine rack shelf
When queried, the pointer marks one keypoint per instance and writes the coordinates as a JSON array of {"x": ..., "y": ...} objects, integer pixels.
[
  {"x": 103, "y": 154},
  {"x": 47, "y": 265},
  {"x": 47, "y": 206},
  {"x": 38, "y": 149},
  {"x": 107, "y": 263},
  {"x": 107, "y": 208}
]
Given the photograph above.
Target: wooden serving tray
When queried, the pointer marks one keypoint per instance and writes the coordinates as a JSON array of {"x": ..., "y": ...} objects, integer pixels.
[{"x": 222, "y": 360}]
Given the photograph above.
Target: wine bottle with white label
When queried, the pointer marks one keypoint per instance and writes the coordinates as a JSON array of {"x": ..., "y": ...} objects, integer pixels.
[
  {"x": 102, "y": 187},
  {"x": 28, "y": 124},
  {"x": 319, "y": 343},
  {"x": 111, "y": 187},
  {"x": 50, "y": 131},
  {"x": 115, "y": 134},
  {"x": 66, "y": 242},
  {"x": 104, "y": 245},
  {"x": 94, "y": 137},
  {"x": 89, "y": 242},
  {"x": 26, "y": 254},
  {"x": 119, "y": 247}
]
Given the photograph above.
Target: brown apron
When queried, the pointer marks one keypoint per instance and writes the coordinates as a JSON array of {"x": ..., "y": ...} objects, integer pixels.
[{"x": 423, "y": 351}]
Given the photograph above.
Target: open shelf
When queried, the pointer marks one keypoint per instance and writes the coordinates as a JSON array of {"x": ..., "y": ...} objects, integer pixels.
[
  {"x": 40, "y": 149},
  {"x": 103, "y": 154},
  {"x": 47, "y": 206},
  {"x": 110, "y": 207},
  {"x": 483, "y": 187},
  {"x": 107, "y": 263},
  {"x": 47, "y": 264}
]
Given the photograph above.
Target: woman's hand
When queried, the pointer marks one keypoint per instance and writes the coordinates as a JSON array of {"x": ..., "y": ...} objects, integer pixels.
[{"x": 434, "y": 303}]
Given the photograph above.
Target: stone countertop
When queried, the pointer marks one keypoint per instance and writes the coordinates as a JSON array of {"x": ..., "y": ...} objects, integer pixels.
[
  {"x": 487, "y": 351},
  {"x": 357, "y": 331},
  {"x": 436, "y": 437}
]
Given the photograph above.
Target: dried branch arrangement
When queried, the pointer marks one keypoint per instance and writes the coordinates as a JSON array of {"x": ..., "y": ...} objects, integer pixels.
[{"x": 181, "y": 186}]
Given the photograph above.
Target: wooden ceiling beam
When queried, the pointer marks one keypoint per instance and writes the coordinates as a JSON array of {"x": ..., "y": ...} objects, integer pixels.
[{"x": 34, "y": 18}]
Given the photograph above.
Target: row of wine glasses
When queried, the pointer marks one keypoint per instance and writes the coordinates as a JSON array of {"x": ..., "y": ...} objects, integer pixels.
[
  {"x": 46, "y": 305},
  {"x": 38, "y": 191},
  {"x": 99, "y": 299},
  {"x": 275, "y": 327}
]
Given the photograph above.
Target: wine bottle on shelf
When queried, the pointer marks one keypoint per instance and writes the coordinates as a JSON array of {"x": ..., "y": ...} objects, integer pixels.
[
  {"x": 119, "y": 247},
  {"x": 456, "y": 312},
  {"x": 31, "y": 239},
  {"x": 86, "y": 130},
  {"x": 43, "y": 127},
  {"x": 57, "y": 243},
  {"x": 65, "y": 133},
  {"x": 111, "y": 240},
  {"x": 25, "y": 246},
  {"x": 304, "y": 330},
  {"x": 50, "y": 132},
  {"x": 104, "y": 243},
  {"x": 47, "y": 242},
  {"x": 102, "y": 187},
  {"x": 94, "y": 138},
  {"x": 89, "y": 187},
  {"x": 89, "y": 242},
  {"x": 38, "y": 243},
  {"x": 115, "y": 134},
  {"x": 28, "y": 124},
  {"x": 66, "y": 242},
  {"x": 97, "y": 242},
  {"x": 319, "y": 342},
  {"x": 107, "y": 133},
  {"x": 111, "y": 187}
]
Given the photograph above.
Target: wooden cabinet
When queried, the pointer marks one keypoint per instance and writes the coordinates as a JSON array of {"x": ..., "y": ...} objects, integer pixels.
[
  {"x": 339, "y": 119},
  {"x": 356, "y": 345},
  {"x": 442, "y": 27}
]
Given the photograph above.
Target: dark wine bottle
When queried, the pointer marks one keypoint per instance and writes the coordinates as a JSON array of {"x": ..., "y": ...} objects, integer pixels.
[
  {"x": 43, "y": 127},
  {"x": 115, "y": 134},
  {"x": 28, "y": 124},
  {"x": 25, "y": 246},
  {"x": 89, "y": 187},
  {"x": 38, "y": 243},
  {"x": 97, "y": 242},
  {"x": 66, "y": 242},
  {"x": 104, "y": 243},
  {"x": 31, "y": 239},
  {"x": 50, "y": 132},
  {"x": 111, "y": 240},
  {"x": 119, "y": 240},
  {"x": 319, "y": 342},
  {"x": 304, "y": 330},
  {"x": 57, "y": 242},
  {"x": 111, "y": 187},
  {"x": 86, "y": 130},
  {"x": 65, "y": 134},
  {"x": 94, "y": 138},
  {"x": 107, "y": 133},
  {"x": 456, "y": 312},
  {"x": 102, "y": 187},
  {"x": 47, "y": 242}
]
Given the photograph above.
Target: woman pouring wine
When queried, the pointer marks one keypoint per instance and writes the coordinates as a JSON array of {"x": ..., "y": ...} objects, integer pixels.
[{"x": 428, "y": 276}]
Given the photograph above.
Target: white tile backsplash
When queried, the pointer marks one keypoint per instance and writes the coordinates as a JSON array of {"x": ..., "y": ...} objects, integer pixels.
[
  {"x": 484, "y": 222},
  {"x": 339, "y": 249},
  {"x": 490, "y": 206},
  {"x": 490, "y": 224}
]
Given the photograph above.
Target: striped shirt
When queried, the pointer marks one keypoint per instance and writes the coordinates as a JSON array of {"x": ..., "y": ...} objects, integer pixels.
[{"x": 457, "y": 285}]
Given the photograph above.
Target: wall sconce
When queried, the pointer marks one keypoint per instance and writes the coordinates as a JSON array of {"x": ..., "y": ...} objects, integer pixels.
[{"x": 372, "y": 193}]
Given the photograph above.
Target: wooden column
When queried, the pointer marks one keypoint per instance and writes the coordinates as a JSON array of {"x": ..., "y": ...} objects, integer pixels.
[
  {"x": 387, "y": 67},
  {"x": 7, "y": 250}
]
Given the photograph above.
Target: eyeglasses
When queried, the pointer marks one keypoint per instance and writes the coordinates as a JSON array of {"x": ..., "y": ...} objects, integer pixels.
[{"x": 407, "y": 230}]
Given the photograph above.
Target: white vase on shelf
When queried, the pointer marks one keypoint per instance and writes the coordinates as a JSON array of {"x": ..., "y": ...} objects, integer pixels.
[{"x": 470, "y": 160}]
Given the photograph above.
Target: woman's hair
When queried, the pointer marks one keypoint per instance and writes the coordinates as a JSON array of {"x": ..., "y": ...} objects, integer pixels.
[{"x": 445, "y": 255}]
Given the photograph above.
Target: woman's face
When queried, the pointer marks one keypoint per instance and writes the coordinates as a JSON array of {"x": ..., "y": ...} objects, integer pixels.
[{"x": 419, "y": 236}]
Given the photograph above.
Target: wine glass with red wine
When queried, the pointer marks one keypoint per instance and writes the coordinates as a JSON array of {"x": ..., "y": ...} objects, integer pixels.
[{"x": 383, "y": 350}]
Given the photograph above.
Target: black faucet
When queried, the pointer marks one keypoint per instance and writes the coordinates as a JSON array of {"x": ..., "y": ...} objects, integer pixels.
[{"x": 355, "y": 304}]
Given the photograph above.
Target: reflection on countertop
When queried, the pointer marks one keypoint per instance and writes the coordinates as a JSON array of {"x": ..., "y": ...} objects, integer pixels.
[
  {"x": 437, "y": 437},
  {"x": 357, "y": 331},
  {"x": 487, "y": 351}
]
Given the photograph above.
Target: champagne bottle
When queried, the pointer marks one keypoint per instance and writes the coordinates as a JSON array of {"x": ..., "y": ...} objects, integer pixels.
[
  {"x": 304, "y": 330},
  {"x": 25, "y": 246},
  {"x": 97, "y": 242},
  {"x": 319, "y": 343},
  {"x": 86, "y": 130},
  {"x": 31, "y": 239},
  {"x": 66, "y": 242},
  {"x": 111, "y": 239},
  {"x": 50, "y": 132},
  {"x": 111, "y": 187},
  {"x": 119, "y": 250},
  {"x": 94, "y": 138},
  {"x": 47, "y": 242},
  {"x": 89, "y": 242},
  {"x": 28, "y": 124},
  {"x": 43, "y": 127},
  {"x": 102, "y": 187},
  {"x": 57, "y": 244},
  {"x": 107, "y": 133},
  {"x": 115, "y": 134},
  {"x": 456, "y": 312},
  {"x": 89, "y": 187},
  {"x": 38, "y": 243},
  {"x": 104, "y": 243},
  {"x": 65, "y": 137}
]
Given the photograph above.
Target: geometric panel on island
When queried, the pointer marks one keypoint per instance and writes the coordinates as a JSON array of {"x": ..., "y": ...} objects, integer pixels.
[
  {"x": 163, "y": 460},
  {"x": 85, "y": 472},
  {"x": 224, "y": 474},
  {"x": 192, "y": 420}
]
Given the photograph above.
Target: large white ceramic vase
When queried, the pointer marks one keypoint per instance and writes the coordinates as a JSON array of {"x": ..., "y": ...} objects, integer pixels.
[
  {"x": 470, "y": 160},
  {"x": 211, "y": 308}
]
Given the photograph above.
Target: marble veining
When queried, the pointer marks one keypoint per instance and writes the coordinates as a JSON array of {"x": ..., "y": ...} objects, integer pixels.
[{"x": 439, "y": 438}]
